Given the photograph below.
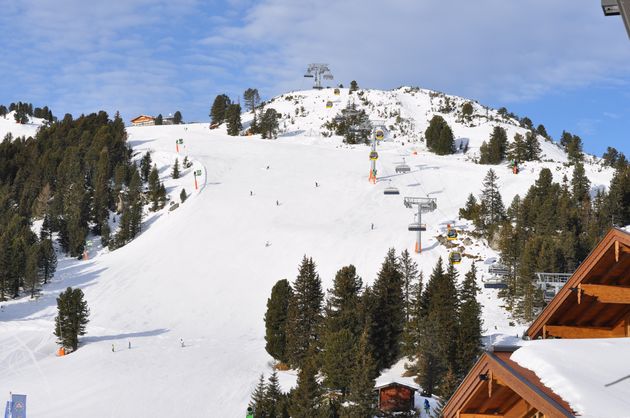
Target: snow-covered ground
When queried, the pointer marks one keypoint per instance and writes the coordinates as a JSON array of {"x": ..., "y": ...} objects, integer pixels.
[
  {"x": 203, "y": 272},
  {"x": 8, "y": 124}
]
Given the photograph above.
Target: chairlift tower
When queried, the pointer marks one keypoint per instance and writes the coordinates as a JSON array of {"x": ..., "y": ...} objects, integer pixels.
[
  {"x": 424, "y": 204},
  {"x": 376, "y": 125},
  {"x": 318, "y": 72}
]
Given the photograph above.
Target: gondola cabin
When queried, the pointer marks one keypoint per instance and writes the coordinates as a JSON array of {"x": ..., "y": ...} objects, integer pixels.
[
  {"x": 329, "y": 104},
  {"x": 395, "y": 397},
  {"x": 337, "y": 92},
  {"x": 455, "y": 257},
  {"x": 379, "y": 134},
  {"x": 373, "y": 155},
  {"x": 451, "y": 234}
]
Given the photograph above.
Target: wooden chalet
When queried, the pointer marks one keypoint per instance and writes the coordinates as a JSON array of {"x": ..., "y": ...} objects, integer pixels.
[
  {"x": 143, "y": 120},
  {"x": 595, "y": 301},
  {"x": 395, "y": 397},
  {"x": 498, "y": 387}
]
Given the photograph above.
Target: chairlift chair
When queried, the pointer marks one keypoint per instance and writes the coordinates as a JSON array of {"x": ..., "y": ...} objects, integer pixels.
[
  {"x": 455, "y": 257},
  {"x": 373, "y": 155},
  {"x": 391, "y": 191},
  {"x": 415, "y": 227},
  {"x": 402, "y": 168}
]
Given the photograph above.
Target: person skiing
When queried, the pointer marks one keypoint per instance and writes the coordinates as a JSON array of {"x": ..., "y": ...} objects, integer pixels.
[
  {"x": 316, "y": 185},
  {"x": 112, "y": 348},
  {"x": 277, "y": 203},
  {"x": 372, "y": 226},
  {"x": 427, "y": 406},
  {"x": 181, "y": 341},
  {"x": 129, "y": 345}
]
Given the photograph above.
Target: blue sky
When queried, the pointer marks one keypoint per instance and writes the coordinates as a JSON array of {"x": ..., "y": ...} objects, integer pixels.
[{"x": 561, "y": 62}]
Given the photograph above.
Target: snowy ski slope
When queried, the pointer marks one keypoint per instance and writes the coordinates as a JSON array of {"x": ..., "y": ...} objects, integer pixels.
[{"x": 203, "y": 272}]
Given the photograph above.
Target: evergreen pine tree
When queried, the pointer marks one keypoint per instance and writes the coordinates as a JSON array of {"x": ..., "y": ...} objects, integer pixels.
[
  {"x": 471, "y": 210},
  {"x": 580, "y": 184},
  {"x": 274, "y": 397},
  {"x": 251, "y": 98},
  {"x": 159, "y": 120},
  {"x": 495, "y": 150},
  {"x": 276, "y": 320},
  {"x": 47, "y": 260},
  {"x": 362, "y": 399},
  {"x": 233, "y": 119},
  {"x": 388, "y": 312},
  {"x": 304, "y": 313},
  {"x": 219, "y": 108},
  {"x": 269, "y": 124},
  {"x": 439, "y": 136},
  {"x": 145, "y": 166},
  {"x": 259, "y": 398},
  {"x": 154, "y": 188},
  {"x": 469, "y": 329},
  {"x": 491, "y": 210},
  {"x": 306, "y": 396},
  {"x": 413, "y": 326},
  {"x": 175, "y": 172},
  {"x": 409, "y": 270},
  {"x": 32, "y": 275},
  {"x": 177, "y": 118},
  {"x": 354, "y": 86},
  {"x": 532, "y": 146},
  {"x": 72, "y": 317}
]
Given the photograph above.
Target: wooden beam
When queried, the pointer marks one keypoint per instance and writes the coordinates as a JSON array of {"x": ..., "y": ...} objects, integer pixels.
[
  {"x": 476, "y": 415},
  {"x": 616, "y": 251},
  {"x": 520, "y": 409},
  {"x": 606, "y": 293},
  {"x": 582, "y": 332},
  {"x": 490, "y": 381}
]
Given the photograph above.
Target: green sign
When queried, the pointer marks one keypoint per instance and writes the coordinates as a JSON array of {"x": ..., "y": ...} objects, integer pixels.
[
  {"x": 180, "y": 141},
  {"x": 197, "y": 172}
]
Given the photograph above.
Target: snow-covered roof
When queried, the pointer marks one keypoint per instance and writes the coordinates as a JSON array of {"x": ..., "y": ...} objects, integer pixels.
[{"x": 592, "y": 375}]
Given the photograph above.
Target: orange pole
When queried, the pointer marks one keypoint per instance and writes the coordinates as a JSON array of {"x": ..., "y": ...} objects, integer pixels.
[
  {"x": 196, "y": 182},
  {"x": 177, "y": 147}
]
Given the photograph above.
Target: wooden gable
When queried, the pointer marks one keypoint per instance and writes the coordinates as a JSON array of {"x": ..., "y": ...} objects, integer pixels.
[
  {"x": 396, "y": 397},
  {"x": 498, "y": 387},
  {"x": 595, "y": 301},
  {"x": 142, "y": 119}
]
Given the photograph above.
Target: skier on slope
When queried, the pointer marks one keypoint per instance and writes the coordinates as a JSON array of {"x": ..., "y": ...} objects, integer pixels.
[{"x": 427, "y": 406}]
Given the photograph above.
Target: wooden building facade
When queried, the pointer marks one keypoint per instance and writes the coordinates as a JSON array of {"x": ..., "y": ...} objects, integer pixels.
[
  {"x": 395, "y": 397},
  {"x": 143, "y": 120},
  {"x": 594, "y": 303}
]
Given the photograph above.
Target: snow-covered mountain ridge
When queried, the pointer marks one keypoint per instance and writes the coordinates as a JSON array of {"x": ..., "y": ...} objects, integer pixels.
[{"x": 203, "y": 272}]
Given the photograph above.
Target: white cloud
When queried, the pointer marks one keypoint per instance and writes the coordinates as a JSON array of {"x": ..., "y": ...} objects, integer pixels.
[{"x": 486, "y": 49}]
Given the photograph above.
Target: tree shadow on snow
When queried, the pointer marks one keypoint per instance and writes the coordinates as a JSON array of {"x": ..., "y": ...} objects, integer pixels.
[
  {"x": 124, "y": 336},
  {"x": 138, "y": 142},
  {"x": 73, "y": 275}
]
